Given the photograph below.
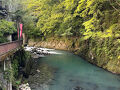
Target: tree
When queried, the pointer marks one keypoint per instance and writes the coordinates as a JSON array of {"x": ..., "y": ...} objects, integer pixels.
[{"x": 6, "y": 27}]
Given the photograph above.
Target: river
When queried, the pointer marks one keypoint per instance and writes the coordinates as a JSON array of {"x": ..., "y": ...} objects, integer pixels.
[{"x": 74, "y": 73}]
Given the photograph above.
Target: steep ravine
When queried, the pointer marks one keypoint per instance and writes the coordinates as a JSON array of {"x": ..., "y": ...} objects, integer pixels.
[{"x": 81, "y": 48}]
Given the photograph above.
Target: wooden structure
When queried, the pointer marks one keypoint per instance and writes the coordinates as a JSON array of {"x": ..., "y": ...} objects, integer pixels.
[{"x": 9, "y": 47}]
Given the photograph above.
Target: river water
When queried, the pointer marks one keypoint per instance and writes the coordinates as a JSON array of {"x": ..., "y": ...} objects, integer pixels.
[{"x": 74, "y": 73}]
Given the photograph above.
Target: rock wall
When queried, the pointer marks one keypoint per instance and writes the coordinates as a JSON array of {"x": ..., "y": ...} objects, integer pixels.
[{"x": 56, "y": 43}]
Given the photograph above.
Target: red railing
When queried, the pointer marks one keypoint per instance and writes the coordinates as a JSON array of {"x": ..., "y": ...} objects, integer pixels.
[{"x": 7, "y": 47}]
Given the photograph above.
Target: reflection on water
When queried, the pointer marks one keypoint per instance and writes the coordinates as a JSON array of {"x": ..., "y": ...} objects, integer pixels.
[{"x": 73, "y": 73}]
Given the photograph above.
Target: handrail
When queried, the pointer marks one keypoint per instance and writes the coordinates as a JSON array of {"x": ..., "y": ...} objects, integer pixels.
[
  {"x": 7, "y": 47},
  {"x": 9, "y": 42}
]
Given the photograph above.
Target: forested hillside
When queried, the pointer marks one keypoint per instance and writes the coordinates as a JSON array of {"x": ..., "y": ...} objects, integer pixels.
[{"x": 96, "y": 23}]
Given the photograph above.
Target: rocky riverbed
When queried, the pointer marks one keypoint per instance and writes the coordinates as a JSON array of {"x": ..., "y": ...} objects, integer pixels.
[
  {"x": 24, "y": 87},
  {"x": 41, "y": 74},
  {"x": 38, "y": 52}
]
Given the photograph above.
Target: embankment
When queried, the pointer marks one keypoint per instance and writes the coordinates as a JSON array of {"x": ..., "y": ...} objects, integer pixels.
[{"x": 88, "y": 50}]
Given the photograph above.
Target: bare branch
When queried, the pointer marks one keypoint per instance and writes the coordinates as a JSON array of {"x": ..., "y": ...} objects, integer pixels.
[
  {"x": 114, "y": 7},
  {"x": 117, "y": 2}
]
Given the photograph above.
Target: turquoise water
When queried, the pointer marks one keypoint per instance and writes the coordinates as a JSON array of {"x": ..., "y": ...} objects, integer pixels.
[{"x": 74, "y": 73}]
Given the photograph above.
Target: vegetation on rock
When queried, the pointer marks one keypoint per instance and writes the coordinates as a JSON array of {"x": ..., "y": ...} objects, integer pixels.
[{"x": 19, "y": 63}]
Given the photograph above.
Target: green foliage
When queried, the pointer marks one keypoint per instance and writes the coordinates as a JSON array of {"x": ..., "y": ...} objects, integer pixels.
[
  {"x": 8, "y": 74},
  {"x": 6, "y": 27},
  {"x": 20, "y": 59},
  {"x": 15, "y": 66},
  {"x": 18, "y": 82},
  {"x": 96, "y": 22},
  {"x": 54, "y": 17},
  {"x": 87, "y": 18}
]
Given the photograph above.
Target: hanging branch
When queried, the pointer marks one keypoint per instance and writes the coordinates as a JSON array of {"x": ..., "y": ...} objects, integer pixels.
[
  {"x": 114, "y": 6},
  {"x": 117, "y": 2}
]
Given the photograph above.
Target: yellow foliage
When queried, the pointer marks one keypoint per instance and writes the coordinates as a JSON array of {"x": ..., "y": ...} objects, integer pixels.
[{"x": 118, "y": 57}]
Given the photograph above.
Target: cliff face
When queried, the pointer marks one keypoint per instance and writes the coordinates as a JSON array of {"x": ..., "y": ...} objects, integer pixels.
[
  {"x": 60, "y": 44},
  {"x": 83, "y": 49}
]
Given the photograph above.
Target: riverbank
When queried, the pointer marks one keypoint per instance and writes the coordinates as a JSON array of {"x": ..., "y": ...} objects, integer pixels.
[
  {"x": 67, "y": 71},
  {"x": 84, "y": 49},
  {"x": 41, "y": 74}
]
